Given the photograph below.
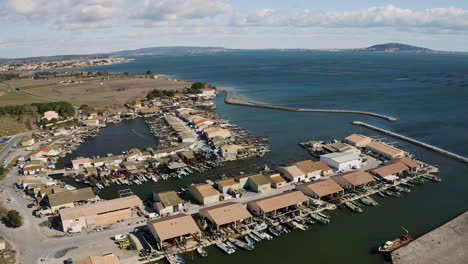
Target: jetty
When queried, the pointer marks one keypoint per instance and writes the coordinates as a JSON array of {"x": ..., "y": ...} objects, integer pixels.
[
  {"x": 417, "y": 142},
  {"x": 228, "y": 99}
]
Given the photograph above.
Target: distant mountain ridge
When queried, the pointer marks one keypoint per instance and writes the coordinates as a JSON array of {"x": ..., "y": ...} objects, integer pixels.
[
  {"x": 174, "y": 50},
  {"x": 395, "y": 47}
]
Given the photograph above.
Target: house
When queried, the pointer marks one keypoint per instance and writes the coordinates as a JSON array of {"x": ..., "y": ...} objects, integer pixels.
[
  {"x": 258, "y": 183},
  {"x": 45, "y": 151},
  {"x": 204, "y": 193},
  {"x": 410, "y": 163},
  {"x": 51, "y": 189},
  {"x": 68, "y": 199},
  {"x": 227, "y": 186},
  {"x": 49, "y": 115},
  {"x": 230, "y": 151},
  {"x": 206, "y": 92},
  {"x": 354, "y": 179},
  {"x": 166, "y": 203},
  {"x": 212, "y": 132},
  {"x": 391, "y": 171},
  {"x": 204, "y": 121},
  {"x": 292, "y": 173},
  {"x": 262, "y": 206},
  {"x": 385, "y": 150},
  {"x": 358, "y": 140},
  {"x": 342, "y": 161},
  {"x": 309, "y": 168},
  {"x": 321, "y": 189},
  {"x": 33, "y": 167},
  {"x": 326, "y": 170},
  {"x": 149, "y": 111},
  {"x": 177, "y": 227},
  {"x": 111, "y": 259},
  {"x": 276, "y": 180},
  {"x": 81, "y": 163},
  {"x": 91, "y": 122},
  {"x": 225, "y": 214},
  {"x": 98, "y": 214},
  {"x": 24, "y": 181},
  {"x": 134, "y": 155},
  {"x": 27, "y": 140}
]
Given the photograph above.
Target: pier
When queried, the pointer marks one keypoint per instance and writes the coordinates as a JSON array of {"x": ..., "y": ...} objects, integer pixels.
[
  {"x": 229, "y": 100},
  {"x": 417, "y": 142}
]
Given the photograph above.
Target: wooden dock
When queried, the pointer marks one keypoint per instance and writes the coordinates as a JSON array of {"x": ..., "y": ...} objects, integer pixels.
[
  {"x": 417, "y": 142},
  {"x": 229, "y": 100}
]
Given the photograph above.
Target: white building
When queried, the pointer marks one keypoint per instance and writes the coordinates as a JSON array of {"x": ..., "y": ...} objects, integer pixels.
[
  {"x": 49, "y": 115},
  {"x": 342, "y": 161}
]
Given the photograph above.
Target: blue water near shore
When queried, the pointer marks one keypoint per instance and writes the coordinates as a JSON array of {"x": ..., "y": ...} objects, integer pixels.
[{"x": 428, "y": 93}]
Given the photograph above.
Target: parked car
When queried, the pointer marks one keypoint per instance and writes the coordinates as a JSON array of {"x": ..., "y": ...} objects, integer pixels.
[{"x": 68, "y": 261}]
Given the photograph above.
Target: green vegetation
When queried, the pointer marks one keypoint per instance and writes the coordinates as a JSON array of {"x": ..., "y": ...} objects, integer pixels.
[
  {"x": 8, "y": 76},
  {"x": 7, "y": 256},
  {"x": 148, "y": 72},
  {"x": 197, "y": 86},
  {"x": 14, "y": 218},
  {"x": 62, "y": 108},
  {"x": 3, "y": 172},
  {"x": 158, "y": 93}
]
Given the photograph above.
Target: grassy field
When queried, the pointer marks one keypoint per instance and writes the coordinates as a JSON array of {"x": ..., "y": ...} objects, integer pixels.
[
  {"x": 7, "y": 256},
  {"x": 11, "y": 126},
  {"x": 8, "y": 97}
]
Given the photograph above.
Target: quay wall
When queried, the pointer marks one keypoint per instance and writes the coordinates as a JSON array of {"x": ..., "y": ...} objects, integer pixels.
[
  {"x": 229, "y": 100},
  {"x": 417, "y": 142}
]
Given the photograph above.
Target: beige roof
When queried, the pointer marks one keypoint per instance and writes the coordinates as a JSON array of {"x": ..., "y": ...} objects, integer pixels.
[
  {"x": 386, "y": 149},
  {"x": 204, "y": 189},
  {"x": 323, "y": 166},
  {"x": 170, "y": 198},
  {"x": 279, "y": 201},
  {"x": 293, "y": 171},
  {"x": 100, "y": 207},
  {"x": 307, "y": 166},
  {"x": 53, "y": 189},
  {"x": 227, "y": 182},
  {"x": 231, "y": 146},
  {"x": 149, "y": 110},
  {"x": 411, "y": 163},
  {"x": 354, "y": 178},
  {"x": 29, "y": 179},
  {"x": 357, "y": 138},
  {"x": 71, "y": 196},
  {"x": 188, "y": 154},
  {"x": 275, "y": 178},
  {"x": 323, "y": 187},
  {"x": 173, "y": 226},
  {"x": 390, "y": 169},
  {"x": 226, "y": 213},
  {"x": 259, "y": 180},
  {"x": 100, "y": 260}
]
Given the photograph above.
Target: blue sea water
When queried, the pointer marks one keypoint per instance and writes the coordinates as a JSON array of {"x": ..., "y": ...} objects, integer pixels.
[{"x": 428, "y": 93}]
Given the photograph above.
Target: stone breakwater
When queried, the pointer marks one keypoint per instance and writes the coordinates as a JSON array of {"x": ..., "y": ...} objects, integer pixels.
[
  {"x": 417, "y": 142},
  {"x": 229, "y": 100}
]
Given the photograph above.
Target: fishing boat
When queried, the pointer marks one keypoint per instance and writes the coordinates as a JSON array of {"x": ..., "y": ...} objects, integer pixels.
[
  {"x": 249, "y": 240},
  {"x": 254, "y": 237},
  {"x": 324, "y": 215},
  {"x": 227, "y": 249},
  {"x": 396, "y": 243},
  {"x": 407, "y": 184},
  {"x": 432, "y": 178},
  {"x": 264, "y": 235},
  {"x": 202, "y": 252},
  {"x": 299, "y": 226},
  {"x": 381, "y": 194},
  {"x": 353, "y": 207},
  {"x": 274, "y": 231},
  {"x": 319, "y": 219},
  {"x": 240, "y": 244},
  {"x": 368, "y": 201},
  {"x": 394, "y": 194},
  {"x": 179, "y": 259},
  {"x": 230, "y": 244}
]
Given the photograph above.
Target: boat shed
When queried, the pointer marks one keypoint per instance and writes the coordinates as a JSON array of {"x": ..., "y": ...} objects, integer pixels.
[
  {"x": 321, "y": 189},
  {"x": 309, "y": 168},
  {"x": 69, "y": 198},
  {"x": 178, "y": 226},
  {"x": 168, "y": 202},
  {"x": 353, "y": 179},
  {"x": 226, "y": 213},
  {"x": 276, "y": 202},
  {"x": 358, "y": 140},
  {"x": 385, "y": 150},
  {"x": 204, "y": 193},
  {"x": 292, "y": 173},
  {"x": 258, "y": 183},
  {"x": 390, "y": 172}
]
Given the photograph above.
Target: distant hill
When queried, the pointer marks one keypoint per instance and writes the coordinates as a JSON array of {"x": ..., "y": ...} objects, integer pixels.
[
  {"x": 396, "y": 47},
  {"x": 176, "y": 50}
]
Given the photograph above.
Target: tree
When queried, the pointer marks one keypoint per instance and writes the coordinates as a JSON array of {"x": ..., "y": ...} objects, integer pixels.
[
  {"x": 198, "y": 85},
  {"x": 148, "y": 72},
  {"x": 14, "y": 218}
]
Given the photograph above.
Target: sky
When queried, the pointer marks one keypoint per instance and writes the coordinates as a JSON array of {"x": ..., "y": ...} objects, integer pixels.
[{"x": 58, "y": 27}]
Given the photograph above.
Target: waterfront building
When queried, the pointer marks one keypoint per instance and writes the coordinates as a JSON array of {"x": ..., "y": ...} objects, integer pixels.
[
  {"x": 111, "y": 259},
  {"x": 276, "y": 180},
  {"x": 166, "y": 203},
  {"x": 134, "y": 155},
  {"x": 179, "y": 227},
  {"x": 354, "y": 179},
  {"x": 309, "y": 168},
  {"x": 81, "y": 163},
  {"x": 391, "y": 171},
  {"x": 45, "y": 151},
  {"x": 98, "y": 162},
  {"x": 225, "y": 214},
  {"x": 262, "y": 206},
  {"x": 230, "y": 151},
  {"x": 343, "y": 147},
  {"x": 24, "y": 181},
  {"x": 33, "y": 167},
  {"x": 358, "y": 140},
  {"x": 50, "y": 189},
  {"x": 91, "y": 122},
  {"x": 228, "y": 186},
  {"x": 342, "y": 161},
  {"x": 326, "y": 170},
  {"x": 98, "y": 214},
  {"x": 204, "y": 122},
  {"x": 149, "y": 111},
  {"x": 49, "y": 115},
  {"x": 258, "y": 183},
  {"x": 68, "y": 199},
  {"x": 206, "y": 92},
  {"x": 410, "y": 163},
  {"x": 292, "y": 173},
  {"x": 321, "y": 189},
  {"x": 204, "y": 193},
  {"x": 212, "y": 132},
  {"x": 385, "y": 150}
]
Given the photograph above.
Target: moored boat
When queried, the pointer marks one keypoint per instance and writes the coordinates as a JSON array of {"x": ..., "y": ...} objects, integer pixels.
[
  {"x": 353, "y": 207},
  {"x": 240, "y": 244},
  {"x": 202, "y": 252},
  {"x": 396, "y": 243},
  {"x": 274, "y": 231},
  {"x": 227, "y": 249}
]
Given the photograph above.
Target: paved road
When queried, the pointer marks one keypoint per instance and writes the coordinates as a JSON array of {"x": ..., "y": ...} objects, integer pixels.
[
  {"x": 5, "y": 150},
  {"x": 13, "y": 89}
]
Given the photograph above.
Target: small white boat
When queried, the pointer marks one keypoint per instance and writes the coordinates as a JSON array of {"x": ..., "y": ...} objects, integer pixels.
[
  {"x": 227, "y": 249},
  {"x": 202, "y": 252}
]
